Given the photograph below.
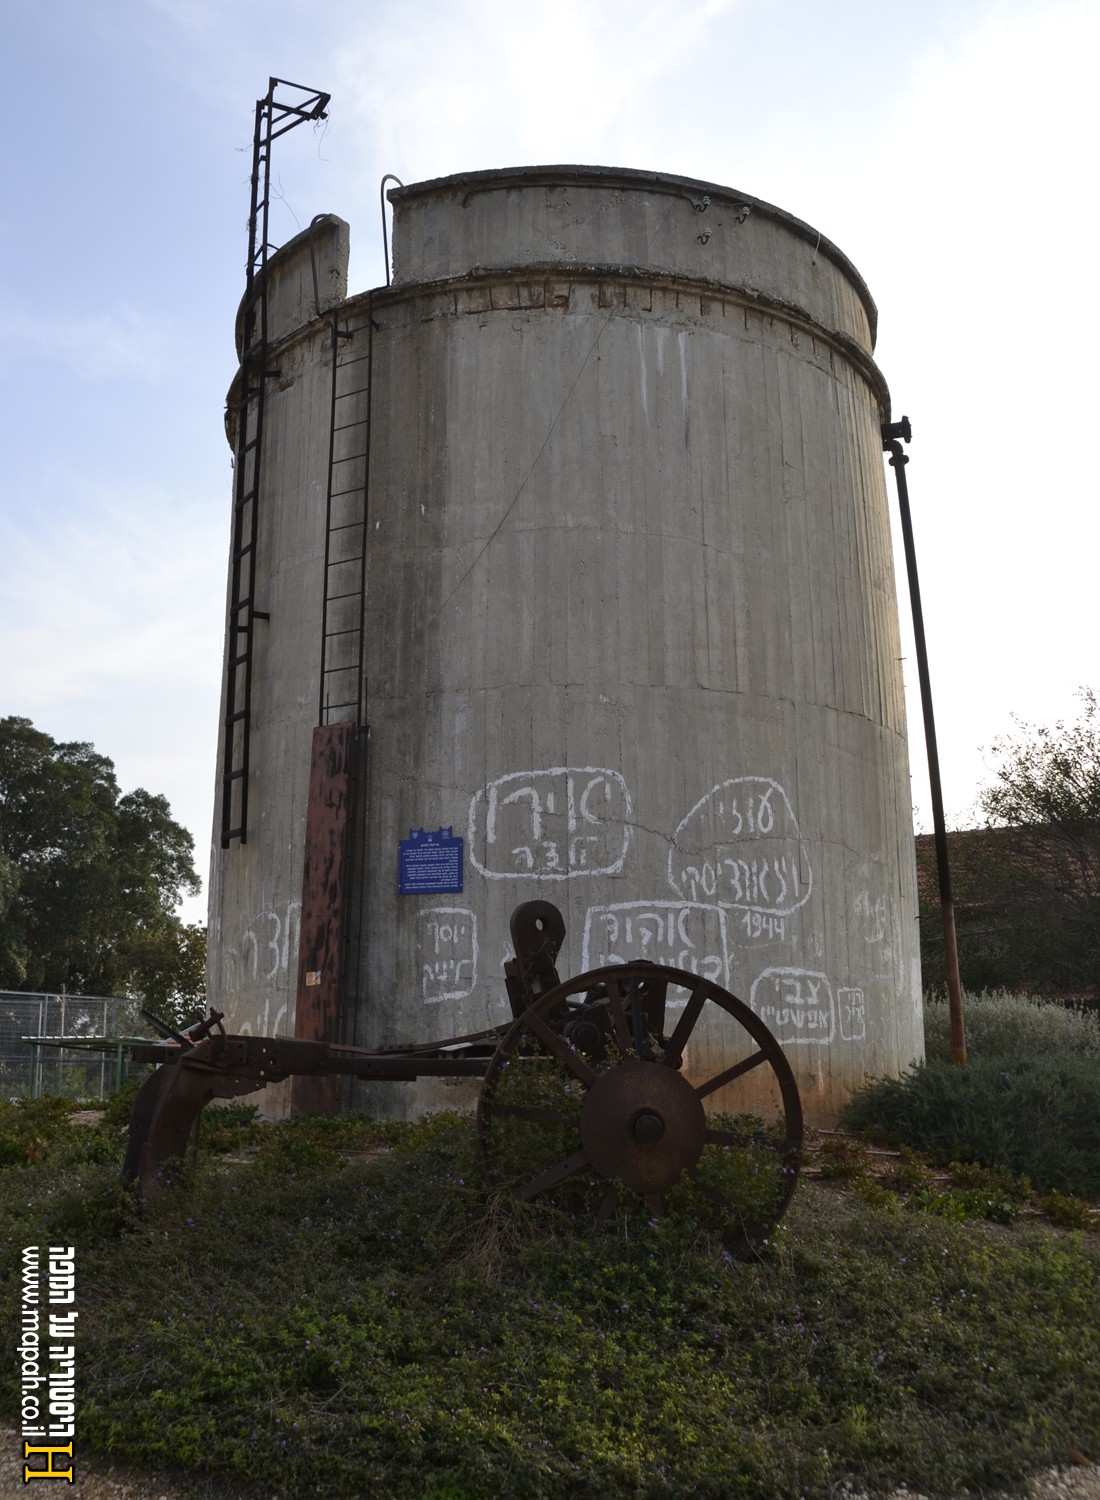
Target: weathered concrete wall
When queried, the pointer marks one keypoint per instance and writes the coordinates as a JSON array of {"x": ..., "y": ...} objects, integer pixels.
[
  {"x": 542, "y": 217},
  {"x": 306, "y": 276},
  {"x": 632, "y": 628},
  {"x": 256, "y": 888}
]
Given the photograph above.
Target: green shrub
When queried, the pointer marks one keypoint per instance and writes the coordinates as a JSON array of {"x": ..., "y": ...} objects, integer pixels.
[
  {"x": 1067, "y": 1212},
  {"x": 116, "y": 1108},
  {"x": 1035, "y": 1116},
  {"x": 228, "y": 1127},
  {"x": 841, "y": 1159},
  {"x": 998, "y": 1184},
  {"x": 960, "y": 1204},
  {"x": 31, "y": 1128},
  {"x": 1002, "y": 1025}
]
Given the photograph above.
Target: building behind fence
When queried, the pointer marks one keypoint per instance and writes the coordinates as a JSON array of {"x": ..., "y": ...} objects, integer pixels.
[{"x": 93, "y": 1063}]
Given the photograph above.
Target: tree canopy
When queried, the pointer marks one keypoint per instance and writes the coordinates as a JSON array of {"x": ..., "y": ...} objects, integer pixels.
[
  {"x": 1047, "y": 790},
  {"x": 1050, "y": 778},
  {"x": 1027, "y": 886},
  {"x": 90, "y": 878}
]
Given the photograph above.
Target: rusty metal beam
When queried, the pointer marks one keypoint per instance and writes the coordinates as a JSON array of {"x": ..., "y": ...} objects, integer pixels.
[{"x": 322, "y": 946}]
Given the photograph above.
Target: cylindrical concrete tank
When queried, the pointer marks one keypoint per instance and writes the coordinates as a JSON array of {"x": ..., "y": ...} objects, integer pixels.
[{"x": 630, "y": 625}]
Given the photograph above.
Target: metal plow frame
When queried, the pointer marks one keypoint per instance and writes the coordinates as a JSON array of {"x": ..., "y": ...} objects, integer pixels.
[{"x": 639, "y": 1124}]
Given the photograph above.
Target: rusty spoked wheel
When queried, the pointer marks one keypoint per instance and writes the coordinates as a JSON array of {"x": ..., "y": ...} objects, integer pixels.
[{"x": 644, "y": 1088}]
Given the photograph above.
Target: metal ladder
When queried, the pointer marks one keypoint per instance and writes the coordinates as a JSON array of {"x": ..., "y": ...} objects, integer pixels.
[
  {"x": 341, "y": 680},
  {"x": 274, "y": 117}
]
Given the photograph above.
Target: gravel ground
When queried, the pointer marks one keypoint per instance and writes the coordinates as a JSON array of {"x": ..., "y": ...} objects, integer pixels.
[{"x": 100, "y": 1479}]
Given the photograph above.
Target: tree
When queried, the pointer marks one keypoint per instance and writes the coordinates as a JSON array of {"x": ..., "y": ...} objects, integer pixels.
[
  {"x": 89, "y": 878},
  {"x": 1048, "y": 792},
  {"x": 169, "y": 970}
]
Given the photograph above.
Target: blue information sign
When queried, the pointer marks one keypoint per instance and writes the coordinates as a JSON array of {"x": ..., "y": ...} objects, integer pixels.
[{"x": 430, "y": 863}]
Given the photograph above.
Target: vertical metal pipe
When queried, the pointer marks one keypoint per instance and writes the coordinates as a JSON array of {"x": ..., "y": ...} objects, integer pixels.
[
  {"x": 389, "y": 177},
  {"x": 893, "y": 434}
]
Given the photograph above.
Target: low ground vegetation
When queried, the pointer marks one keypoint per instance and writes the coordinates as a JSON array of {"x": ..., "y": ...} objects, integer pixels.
[
  {"x": 1000, "y": 1024},
  {"x": 338, "y": 1307},
  {"x": 1027, "y": 1105}
]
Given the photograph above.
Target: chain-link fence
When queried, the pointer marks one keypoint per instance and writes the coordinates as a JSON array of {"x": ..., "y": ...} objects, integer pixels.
[{"x": 75, "y": 1047}]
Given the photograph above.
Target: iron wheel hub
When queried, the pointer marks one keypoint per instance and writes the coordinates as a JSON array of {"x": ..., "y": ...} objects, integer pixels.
[{"x": 644, "y": 1125}]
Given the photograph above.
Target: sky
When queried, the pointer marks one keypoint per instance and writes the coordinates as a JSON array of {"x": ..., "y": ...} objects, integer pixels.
[{"x": 948, "y": 147}]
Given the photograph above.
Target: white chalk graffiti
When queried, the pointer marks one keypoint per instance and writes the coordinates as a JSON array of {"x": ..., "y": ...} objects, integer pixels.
[
  {"x": 853, "y": 1014},
  {"x": 871, "y": 916},
  {"x": 263, "y": 1023},
  {"x": 796, "y": 1005},
  {"x": 268, "y": 944},
  {"x": 550, "y": 825},
  {"x": 682, "y": 934},
  {"x": 446, "y": 941},
  {"x": 269, "y": 947},
  {"x": 740, "y": 846},
  {"x": 762, "y": 926}
]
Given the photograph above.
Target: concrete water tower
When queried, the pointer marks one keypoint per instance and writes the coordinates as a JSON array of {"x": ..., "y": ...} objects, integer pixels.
[{"x": 574, "y": 540}]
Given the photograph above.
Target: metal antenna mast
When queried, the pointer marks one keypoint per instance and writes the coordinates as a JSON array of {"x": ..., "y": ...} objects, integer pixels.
[{"x": 284, "y": 106}]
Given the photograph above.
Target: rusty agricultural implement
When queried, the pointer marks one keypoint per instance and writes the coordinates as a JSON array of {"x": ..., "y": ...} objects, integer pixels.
[{"x": 585, "y": 1094}]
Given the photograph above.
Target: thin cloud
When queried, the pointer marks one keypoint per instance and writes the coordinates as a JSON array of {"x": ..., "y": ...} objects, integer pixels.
[
  {"x": 122, "y": 342},
  {"x": 128, "y": 594},
  {"x": 479, "y": 84},
  {"x": 114, "y": 611}
]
